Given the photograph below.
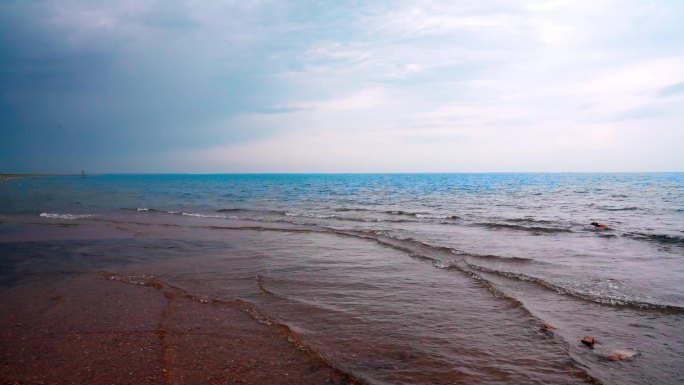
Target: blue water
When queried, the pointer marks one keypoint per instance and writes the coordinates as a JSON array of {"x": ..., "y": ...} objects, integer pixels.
[
  {"x": 526, "y": 237},
  {"x": 657, "y": 198}
]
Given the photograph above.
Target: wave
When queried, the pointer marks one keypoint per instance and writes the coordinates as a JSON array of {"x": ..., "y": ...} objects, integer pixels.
[
  {"x": 183, "y": 213},
  {"x": 501, "y": 258},
  {"x": 297, "y": 340},
  {"x": 402, "y": 212},
  {"x": 249, "y": 308},
  {"x": 349, "y": 209},
  {"x": 295, "y": 214},
  {"x": 432, "y": 216},
  {"x": 376, "y": 220},
  {"x": 65, "y": 216},
  {"x": 607, "y": 208},
  {"x": 444, "y": 257},
  {"x": 531, "y": 220},
  {"x": 260, "y": 211},
  {"x": 658, "y": 238},
  {"x": 262, "y": 286},
  {"x": 532, "y": 229},
  {"x": 392, "y": 212},
  {"x": 415, "y": 214},
  {"x": 603, "y": 300},
  {"x": 410, "y": 245},
  {"x": 344, "y": 218},
  {"x": 202, "y": 215},
  {"x": 229, "y": 210},
  {"x": 459, "y": 253},
  {"x": 424, "y": 251},
  {"x": 245, "y": 214},
  {"x": 150, "y": 210},
  {"x": 143, "y": 209},
  {"x": 309, "y": 215},
  {"x": 420, "y": 215}
]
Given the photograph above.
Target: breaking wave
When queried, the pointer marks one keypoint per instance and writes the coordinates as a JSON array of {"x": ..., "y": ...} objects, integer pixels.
[
  {"x": 583, "y": 295},
  {"x": 65, "y": 216}
]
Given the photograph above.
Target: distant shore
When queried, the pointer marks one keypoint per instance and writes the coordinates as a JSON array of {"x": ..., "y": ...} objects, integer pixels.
[{"x": 16, "y": 176}]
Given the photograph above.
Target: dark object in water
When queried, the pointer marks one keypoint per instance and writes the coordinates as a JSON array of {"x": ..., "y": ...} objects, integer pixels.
[
  {"x": 548, "y": 327},
  {"x": 599, "y": 225},
  {"x": 589, "y": 341}
]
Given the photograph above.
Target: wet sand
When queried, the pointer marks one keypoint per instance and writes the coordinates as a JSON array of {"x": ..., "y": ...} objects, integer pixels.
[{"x": 97, "y": 329}]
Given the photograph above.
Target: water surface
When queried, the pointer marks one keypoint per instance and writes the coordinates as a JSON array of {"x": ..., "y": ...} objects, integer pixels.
[{"x": 401, "y": 278}]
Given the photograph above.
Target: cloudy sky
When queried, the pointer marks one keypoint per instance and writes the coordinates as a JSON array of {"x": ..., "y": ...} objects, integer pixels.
[{"x": 333, "y": 86}]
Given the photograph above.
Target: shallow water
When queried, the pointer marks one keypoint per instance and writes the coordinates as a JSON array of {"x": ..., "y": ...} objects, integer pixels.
[{"x": 440, "y": 278}]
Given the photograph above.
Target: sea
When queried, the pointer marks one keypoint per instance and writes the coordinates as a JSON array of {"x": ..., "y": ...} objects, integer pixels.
[{"x": 392, "y": 278}]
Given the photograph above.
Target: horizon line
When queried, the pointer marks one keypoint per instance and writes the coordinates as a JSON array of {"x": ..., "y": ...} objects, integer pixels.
[{"x": 37, "y": 174}]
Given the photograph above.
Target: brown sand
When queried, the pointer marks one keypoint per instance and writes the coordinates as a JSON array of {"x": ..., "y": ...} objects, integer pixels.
[{"x": 93, "y": 330}]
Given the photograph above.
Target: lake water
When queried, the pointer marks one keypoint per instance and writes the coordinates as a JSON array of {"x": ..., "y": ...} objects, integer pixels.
[{"x": 392, "y": 278}]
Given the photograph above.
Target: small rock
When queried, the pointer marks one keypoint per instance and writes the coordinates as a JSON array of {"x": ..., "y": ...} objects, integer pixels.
[
  {"x": 589, "y": 341},
  {"x": 619, "y": 355},
  {"x": 548, "y": 326}
]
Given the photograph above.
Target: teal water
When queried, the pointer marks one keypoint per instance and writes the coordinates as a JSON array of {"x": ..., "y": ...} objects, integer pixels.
[
  {"x": 648, "y": 205},
  {"x": 440, "y": 250}
]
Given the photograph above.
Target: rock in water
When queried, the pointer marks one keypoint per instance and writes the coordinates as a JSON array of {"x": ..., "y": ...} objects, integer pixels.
[
  {"x": 589, "y": 341},
  {"x": 548, "y": 327},
  {"x": 619, "y": 355}
]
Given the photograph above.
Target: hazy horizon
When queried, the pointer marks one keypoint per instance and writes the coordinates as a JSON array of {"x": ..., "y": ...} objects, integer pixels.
[
  {"x": 338, "y": 173},
  {"x": 370, "y": 87}
]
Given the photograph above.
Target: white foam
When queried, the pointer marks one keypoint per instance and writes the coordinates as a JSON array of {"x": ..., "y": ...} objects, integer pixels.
[
  {"x": 202, "y": 215},
  {"x": 442, "y": 264},
  {"x": 309, "y": 215},
  {"x": 65, "y": 216}
]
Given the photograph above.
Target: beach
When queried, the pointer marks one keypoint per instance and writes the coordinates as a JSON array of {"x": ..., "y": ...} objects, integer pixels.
[
  {"x": 170, "y": 322},
  {"x": 96, "y": 329},
  {"x": 318, "y": 279}
]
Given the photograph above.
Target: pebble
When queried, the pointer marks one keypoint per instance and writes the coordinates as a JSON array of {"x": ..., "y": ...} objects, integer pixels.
[
  {"x": 548, "y": 326},
  {"x": 589, "y": 341},
  {"x": 619, "y": 355}
]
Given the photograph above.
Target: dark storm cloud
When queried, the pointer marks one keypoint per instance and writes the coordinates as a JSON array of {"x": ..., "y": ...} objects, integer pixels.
[{"x": 81, "y": 84}]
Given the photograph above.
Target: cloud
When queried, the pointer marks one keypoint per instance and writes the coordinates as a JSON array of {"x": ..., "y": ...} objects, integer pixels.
[
  {"x": 672, "y": 89},
  {"x": 310, "y": 86}
]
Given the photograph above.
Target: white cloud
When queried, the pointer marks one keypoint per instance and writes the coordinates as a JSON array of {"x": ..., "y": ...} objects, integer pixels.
[
  {"x": 429, "y": 86},
  {"x": 399, "y": 86}
]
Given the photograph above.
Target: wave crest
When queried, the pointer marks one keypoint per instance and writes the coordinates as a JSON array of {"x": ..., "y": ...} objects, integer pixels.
[{"x": 65, "y": 216}]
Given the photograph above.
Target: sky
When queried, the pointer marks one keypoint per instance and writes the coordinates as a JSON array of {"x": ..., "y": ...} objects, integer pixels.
[{"x": 341, "y": 86}]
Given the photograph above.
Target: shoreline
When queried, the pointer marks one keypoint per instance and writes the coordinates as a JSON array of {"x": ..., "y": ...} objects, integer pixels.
[{"x": 94, "y": 328}]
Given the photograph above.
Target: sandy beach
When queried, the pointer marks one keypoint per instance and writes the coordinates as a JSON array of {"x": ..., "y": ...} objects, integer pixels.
[{"x": 97, "y": 329}]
